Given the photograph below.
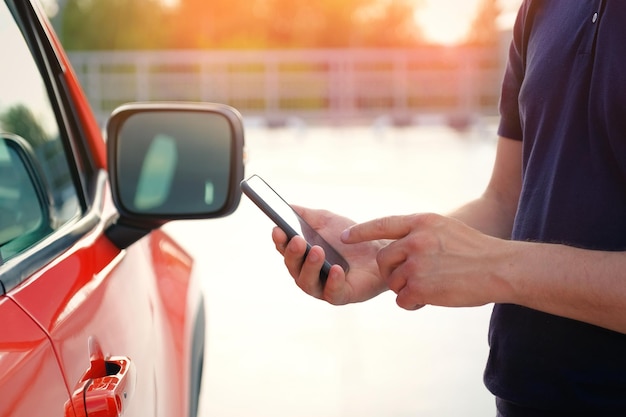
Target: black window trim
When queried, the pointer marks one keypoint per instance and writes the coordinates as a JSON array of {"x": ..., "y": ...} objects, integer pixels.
[
  {"x": 53, "y": 74},
  {"x": 21, "y": 267},
  {"x": 89, "y": 181}
]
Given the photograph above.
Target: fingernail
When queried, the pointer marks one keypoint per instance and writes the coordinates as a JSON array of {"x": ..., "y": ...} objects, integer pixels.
[{"x": 345, "y": 235}]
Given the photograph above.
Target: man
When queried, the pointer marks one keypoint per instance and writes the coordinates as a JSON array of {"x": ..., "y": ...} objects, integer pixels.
[{"x": 545, "y": 242}]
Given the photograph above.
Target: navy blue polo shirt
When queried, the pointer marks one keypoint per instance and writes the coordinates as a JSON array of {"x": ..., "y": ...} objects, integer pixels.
[{"x": 564, "y": 96}]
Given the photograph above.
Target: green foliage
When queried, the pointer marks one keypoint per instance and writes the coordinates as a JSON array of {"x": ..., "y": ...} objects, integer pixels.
[
  {"x": 236, "y": 24},
  {"x": 114, "y": 24},
  {"x": 484, "y": 30},
  {"x": 21, "y": 121}
]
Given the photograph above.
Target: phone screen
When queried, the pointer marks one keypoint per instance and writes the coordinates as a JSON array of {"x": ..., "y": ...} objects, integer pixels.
[{"x": 277, "y": 209}]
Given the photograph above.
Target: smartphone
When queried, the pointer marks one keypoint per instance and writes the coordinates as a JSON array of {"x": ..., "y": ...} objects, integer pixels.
[{"x": 285, "y": 217}]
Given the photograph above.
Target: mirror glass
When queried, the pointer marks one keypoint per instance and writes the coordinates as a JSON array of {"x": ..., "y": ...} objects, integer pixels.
[
  {"x": 174, "y": 163},
  {"x": 21, "y": 210}
]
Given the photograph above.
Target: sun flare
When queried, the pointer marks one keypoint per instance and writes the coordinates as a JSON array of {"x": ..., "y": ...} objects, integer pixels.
[
  {"x": 448, "y": 22},
  {"x": 445, "y": 21}
]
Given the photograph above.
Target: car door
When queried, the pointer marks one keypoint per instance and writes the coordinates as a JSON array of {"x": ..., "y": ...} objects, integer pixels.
[
  {"x": 76, "y": 311},
  {"x": 29, "y": 374}
]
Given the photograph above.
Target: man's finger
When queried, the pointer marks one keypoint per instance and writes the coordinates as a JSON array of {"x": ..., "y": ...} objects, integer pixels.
[
  {"x": 294, "y": 255},
  {"x": 308, "y": 277},
  {"x": 392, "y": 227},
  {"x": 407, "y": 301},
  {"x": 280, "y": 239}
]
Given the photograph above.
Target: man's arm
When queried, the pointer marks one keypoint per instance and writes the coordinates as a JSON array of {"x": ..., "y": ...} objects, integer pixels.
[
  {"x": 494, "y": 211},
  {"x": 584, "y": 285},
  {"x": 469, "y": 260}
]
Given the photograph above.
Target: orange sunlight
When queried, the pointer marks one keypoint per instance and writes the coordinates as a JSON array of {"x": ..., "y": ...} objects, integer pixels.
[{"x": 448, "y": 22}]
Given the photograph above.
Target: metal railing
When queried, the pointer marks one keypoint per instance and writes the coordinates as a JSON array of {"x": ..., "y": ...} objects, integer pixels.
[{"x": 335, "y": 85}]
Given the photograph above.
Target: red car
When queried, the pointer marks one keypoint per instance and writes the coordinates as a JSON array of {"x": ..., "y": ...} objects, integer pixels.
[{"x": 100, "y": 311}]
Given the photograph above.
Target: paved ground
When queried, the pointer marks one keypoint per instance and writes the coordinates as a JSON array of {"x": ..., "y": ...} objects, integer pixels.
[{"x": 273, "y": 351}]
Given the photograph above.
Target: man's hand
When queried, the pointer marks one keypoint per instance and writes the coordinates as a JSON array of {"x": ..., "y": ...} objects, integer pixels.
[
  {"x": 434, "y": 259},
  {"x": 361, "y": 283}
]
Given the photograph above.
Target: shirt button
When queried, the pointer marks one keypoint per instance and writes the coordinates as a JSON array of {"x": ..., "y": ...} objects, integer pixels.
[{"x": 594, "y": 18}]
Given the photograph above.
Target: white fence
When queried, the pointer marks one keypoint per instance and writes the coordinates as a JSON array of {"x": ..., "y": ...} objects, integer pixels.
[{"x": 336, "y": 85}]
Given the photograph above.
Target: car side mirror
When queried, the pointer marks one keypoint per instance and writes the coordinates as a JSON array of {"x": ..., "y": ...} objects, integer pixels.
[
  {"x": 24, "y": 201},
  {"x": 172, "y": 161}
]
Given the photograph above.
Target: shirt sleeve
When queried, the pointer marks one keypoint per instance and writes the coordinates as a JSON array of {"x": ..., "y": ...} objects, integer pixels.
[{"x": 510, "y": 118}]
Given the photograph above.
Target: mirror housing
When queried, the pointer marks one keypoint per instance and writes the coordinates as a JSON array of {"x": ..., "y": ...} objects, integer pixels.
[{"x": 172, "y": 161}]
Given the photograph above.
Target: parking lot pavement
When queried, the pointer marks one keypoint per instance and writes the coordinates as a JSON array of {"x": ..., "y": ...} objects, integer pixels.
[{"x": 273, "y": 351}]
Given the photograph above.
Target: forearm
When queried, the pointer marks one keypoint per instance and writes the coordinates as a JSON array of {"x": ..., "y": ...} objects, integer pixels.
[
  {"x": 487, "y": 216},
  {"x": 584, "y": 285},
  {"x": 493, "y": 212}
]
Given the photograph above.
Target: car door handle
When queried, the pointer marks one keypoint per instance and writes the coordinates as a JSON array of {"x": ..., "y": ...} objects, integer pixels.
[{"x": 106, "y": 388}]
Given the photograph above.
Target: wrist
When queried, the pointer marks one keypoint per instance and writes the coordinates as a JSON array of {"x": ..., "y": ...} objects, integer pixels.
[{"x": 511, "y": 259}]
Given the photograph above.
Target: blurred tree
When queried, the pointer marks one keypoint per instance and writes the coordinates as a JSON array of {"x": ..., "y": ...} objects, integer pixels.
[
  {"x": 21, "y": 121},
  {"x": 484, "y": 30},
  {"x": 389, "y": 24},
  {"x": 236, "y": 24},
  {"x": 209, "y": 24},
  {"x": 301, "y": 23},
  {"x": 295, "y": 23},
  {"x": 114, "y": 24}
]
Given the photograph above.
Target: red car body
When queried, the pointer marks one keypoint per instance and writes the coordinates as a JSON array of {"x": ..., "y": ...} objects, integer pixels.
[{"x": 91, "y": 324}]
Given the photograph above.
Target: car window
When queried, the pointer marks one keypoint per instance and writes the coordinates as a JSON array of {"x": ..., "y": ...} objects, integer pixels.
[{"x": 26, "y": 114}]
